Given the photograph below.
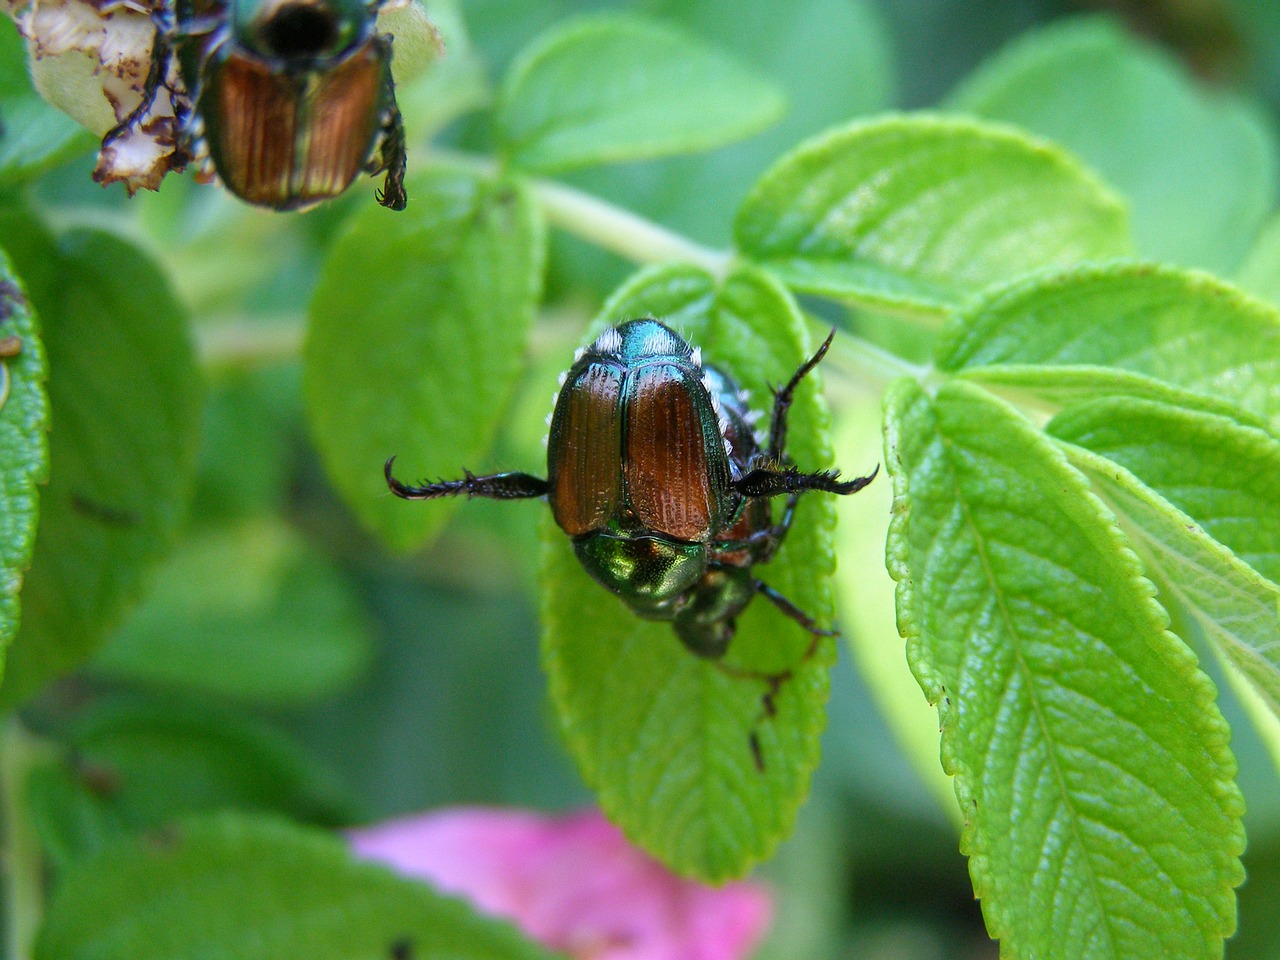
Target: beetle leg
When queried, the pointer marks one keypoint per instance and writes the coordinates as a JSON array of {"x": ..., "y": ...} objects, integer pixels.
[
  {"x": 391, "y": 153},
  {"x": 796, "y": 614},
  {"x": 496, "y": 486},
  {"x": 782, "y": 400},
  {"x": 765, "y": 482}
]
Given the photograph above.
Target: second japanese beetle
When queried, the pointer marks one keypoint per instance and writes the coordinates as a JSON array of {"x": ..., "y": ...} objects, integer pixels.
[
  {"x": 655, "y": 472},
  {"x": 289, "y": 100}
]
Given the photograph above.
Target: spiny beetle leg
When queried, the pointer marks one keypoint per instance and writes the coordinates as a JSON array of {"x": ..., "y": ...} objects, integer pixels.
[
  {"x": 496, "y": 486},
  {"x": 392, "y": 153},
  {"x": 774, "y": 680},
  {"x": 782, "y": 400},
  {"x": 765, "y": 482}
]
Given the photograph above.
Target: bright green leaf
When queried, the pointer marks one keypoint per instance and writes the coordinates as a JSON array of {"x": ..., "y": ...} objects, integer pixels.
[
  {"x": 35, "y": 135},
  {"x": 1221, "y": 473},
  {"x": 662, "y": 736},
  {"x": 252, "y": 612},
  {"x": 1185, "y": 328},
  {"x": 124, "y": 404},
  {"x": 1260, "y": 272},
  {"x": 246, "y": 888},
  {"x": 1198, "y": 165},
  {"x": 24, "y": 449},
  {"x": 1090, "y": 759},
  {"x": 616, "y": 87},
  {"x": 916, "y": 213},
  {"x": 417, "y": 332},
  {"x": 1236, "y": 607},
  {"x": 1197, "y": 492}
]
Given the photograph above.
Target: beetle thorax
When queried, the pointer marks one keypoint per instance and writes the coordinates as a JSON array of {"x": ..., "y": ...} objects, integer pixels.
[{"x": 298, "y": 30}]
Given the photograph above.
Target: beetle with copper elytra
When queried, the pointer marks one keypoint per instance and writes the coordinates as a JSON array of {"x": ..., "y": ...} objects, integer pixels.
[
  {"x": 655, "y": 472},
  {"x": 289, "y": 100}
]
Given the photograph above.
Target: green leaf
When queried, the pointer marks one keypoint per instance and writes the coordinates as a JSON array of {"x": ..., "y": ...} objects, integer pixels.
[
  {"x": 1197, "y": 494},
  {"x": 24, "y": 449},
  {"x": 1260, "y": 272},
  {"x": 865, "y": 602},
  {"x": 35, "y": 136},
  {"x": 916, "y": 213},
  {"x": 124, "y": 404},
  {"x": 1182, "y": 327},
  {"x": 1219, "y": 472},
  {"x": 418, "y": 329},
  {"x": 252, "y": 612},
  {"x": 662, "y": 736},
  {"x": 246, "y": 888},
  {"x": 615, "y": 87},
  {"x": 1091, "y": 762},
  {"x": 1198, "y": 165},
  {"x": 135, "y": 764}
]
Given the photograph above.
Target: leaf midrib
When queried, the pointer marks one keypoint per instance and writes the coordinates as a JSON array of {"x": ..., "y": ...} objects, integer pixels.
[{"x": 1029, "y": 676}]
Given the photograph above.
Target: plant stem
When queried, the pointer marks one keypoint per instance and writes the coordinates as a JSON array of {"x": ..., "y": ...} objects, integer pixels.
[
  {"x": 621, "y": 231},
  {"x": 867, "y": 366},
  {"x": 23, "y": 875},
  {"x": 615, "y": 229}
]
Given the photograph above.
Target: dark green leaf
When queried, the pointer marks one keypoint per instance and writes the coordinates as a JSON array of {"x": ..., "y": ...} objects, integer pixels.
[
  {"x": 662, "y": 736},
  {"x": 252, "y": 612},
  {"x": 1182, "y": 327},
  {"x": 124, "y": 404},
  {"x": 24, "y": 449},
  {"x": 916, "y": 213},
  {"x": 616, "y": 87},
  {"x": 1090, "y": 760},
  {"x": 240, "y": 888},
  {"x": 1199, "y": 166},
  {"x": 418, "y": 329},
  {"x": 35, "y": 136}
]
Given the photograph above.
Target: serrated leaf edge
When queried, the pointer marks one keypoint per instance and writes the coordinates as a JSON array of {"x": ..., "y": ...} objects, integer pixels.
[{"x": 1215, "y": 734}]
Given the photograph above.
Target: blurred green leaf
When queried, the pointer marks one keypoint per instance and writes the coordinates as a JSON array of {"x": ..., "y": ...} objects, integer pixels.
[
  {"x": 124, "y": 404},
  {"x": 252, "y": 612},
  {"x": 662, "y": 736},
  {"x": 1182, "y": 327},
  {"x": 616, "y": 87},
  {"x": 135, "y": 764},
  {"x": 71, "y": 817},
  {"x": 1199, "y": 166},
  {"x": 864, "y": 594},
  {"x": 231, "y": 887},
  {"x": 1260, "y": 272},
  {"x": 253, "y": 426},
  {"x": 417, "y": 333},
  {"x": 1090, "y": 760},
  {"x": 1191, "y": 488},
  {"x": 33, "y": 135},
  {"x": 24, "y": 448},
  {"x": 916, "y": 213}
]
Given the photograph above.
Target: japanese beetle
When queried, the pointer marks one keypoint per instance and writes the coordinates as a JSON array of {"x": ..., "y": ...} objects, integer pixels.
[
  {"x": 655, "y": 471},
  {"x": 286, "y": 100}
]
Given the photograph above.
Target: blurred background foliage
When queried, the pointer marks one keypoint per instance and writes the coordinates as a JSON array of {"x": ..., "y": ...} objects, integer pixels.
[{"x": 283, "y": 660}]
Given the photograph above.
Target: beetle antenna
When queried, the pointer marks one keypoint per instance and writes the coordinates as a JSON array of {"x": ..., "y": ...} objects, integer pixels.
[
  {"x": 495, "y": 486},
  {"x": 782, "y": 399}
]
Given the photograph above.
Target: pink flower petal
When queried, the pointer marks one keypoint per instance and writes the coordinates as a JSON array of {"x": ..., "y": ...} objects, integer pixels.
[{"x": 573, "y": 883}]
